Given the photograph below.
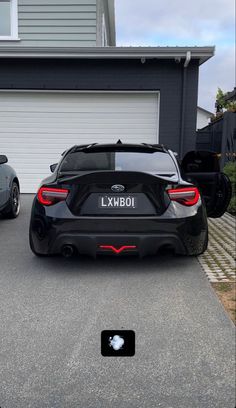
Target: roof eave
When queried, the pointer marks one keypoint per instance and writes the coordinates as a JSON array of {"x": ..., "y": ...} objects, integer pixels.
[{"x": 200, "y": 53}]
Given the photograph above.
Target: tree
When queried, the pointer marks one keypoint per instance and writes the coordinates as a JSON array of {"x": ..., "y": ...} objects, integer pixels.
[
  {"x": 220, "y": 99},
  {"x": 222, "y": 103}
]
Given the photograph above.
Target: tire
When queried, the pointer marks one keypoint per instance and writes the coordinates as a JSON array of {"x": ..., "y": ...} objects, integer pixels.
[
  {"x": 33, "y": 249},
  {"x": 199, "y": 252},
  {"x": 205, "y": 245},
  {"x": 13, "y": 208}
]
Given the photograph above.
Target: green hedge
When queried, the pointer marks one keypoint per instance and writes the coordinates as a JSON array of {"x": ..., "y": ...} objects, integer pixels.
[{"x": 230, "y": 170}]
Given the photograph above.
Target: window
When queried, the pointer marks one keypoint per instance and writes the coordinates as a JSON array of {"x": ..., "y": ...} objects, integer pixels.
[
  {"x": 149, "y": 161},
  {"x": 8, "y": 20}
]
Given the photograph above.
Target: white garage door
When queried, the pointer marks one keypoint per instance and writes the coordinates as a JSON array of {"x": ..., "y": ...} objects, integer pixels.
[{"x": 35, "y": 128}]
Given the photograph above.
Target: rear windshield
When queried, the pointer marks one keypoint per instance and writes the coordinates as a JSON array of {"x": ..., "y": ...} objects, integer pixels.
[{"x": 152, "y": 161}]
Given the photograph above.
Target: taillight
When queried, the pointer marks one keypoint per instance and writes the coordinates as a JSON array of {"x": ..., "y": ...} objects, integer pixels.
[
  {"x": 186, "y": 196},
  {"x": 50, "y": 196}
]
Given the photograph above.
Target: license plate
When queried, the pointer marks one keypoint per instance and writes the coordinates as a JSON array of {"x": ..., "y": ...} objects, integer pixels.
[{"x": 110, "y": 201}]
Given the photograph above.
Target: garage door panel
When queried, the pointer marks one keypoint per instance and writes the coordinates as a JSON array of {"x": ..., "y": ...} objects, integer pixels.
[
  {"x": 38, "y": 99},
  {"x": 35, "y": 128},
  {"x": 101, "y": 120},
  {"x": 55, "y": 126},
  {"x": 67, "y": 108}
]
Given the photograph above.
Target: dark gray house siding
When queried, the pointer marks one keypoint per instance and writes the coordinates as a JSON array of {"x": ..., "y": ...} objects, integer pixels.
[{"x": 165, "y": 76}]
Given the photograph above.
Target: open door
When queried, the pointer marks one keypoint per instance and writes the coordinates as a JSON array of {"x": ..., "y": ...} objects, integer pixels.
[{"x": 202, "y": 168}]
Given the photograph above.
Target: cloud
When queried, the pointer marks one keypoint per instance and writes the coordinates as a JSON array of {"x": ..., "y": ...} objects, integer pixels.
[
  {"x": 184, "y": 22},
  {"x": 219, "y": 71},
  {"x": 165, "y": 22}
]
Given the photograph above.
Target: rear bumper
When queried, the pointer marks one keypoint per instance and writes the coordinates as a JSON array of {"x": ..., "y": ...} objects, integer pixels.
[
  {"x": 118, "y": 244},
  {"x": 90, "y": 235}
]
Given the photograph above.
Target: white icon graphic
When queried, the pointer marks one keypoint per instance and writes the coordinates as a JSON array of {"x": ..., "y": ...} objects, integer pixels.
[{"x": 116, "y": 342}]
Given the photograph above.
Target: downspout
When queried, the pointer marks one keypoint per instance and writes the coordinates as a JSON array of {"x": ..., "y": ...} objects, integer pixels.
[{"x": 186, "y": 63}]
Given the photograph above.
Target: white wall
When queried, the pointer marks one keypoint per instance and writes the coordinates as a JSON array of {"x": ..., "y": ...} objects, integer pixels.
[{"x": 203, "y": 118}]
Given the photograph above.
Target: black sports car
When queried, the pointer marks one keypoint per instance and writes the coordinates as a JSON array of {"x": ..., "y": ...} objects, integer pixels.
[{"x": 127, "y": 198}]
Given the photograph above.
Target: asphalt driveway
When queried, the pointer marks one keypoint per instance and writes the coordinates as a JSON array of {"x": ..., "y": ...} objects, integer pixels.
[{"x": 52, "y": 312}]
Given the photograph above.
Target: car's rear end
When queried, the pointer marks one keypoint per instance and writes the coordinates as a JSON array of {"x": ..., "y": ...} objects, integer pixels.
[{"x": 117, "y": 199}]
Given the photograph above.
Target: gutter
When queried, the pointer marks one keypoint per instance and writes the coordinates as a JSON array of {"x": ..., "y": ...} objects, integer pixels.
[
  {"x": 202, "y": 54},
  {"x": 185, "y": 66}
]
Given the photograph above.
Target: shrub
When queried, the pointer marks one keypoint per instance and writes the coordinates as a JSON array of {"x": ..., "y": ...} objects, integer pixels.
[{"x": 230, "y": 170}]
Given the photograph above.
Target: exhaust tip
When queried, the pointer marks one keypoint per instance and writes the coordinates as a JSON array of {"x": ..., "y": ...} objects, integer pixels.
[
  {"x": 67, "y": 251},
  {"x": 166, "y": 250}
]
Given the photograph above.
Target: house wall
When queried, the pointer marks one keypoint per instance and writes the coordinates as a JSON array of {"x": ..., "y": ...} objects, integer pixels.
[
  {"x": 64, "y": 23},
  {"x": 111, "y": 75},
  {"x": 202, "y": 119}
]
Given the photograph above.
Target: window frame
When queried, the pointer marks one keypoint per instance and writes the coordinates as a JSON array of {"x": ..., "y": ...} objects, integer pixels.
[{"x": 14, "y": 23}]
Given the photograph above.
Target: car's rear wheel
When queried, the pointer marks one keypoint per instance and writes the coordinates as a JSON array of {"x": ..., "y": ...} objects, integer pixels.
[
  {"x": 205, "y": 243},
  {"x": 33, "y": 248},
  {"x": 13, "y": 208},
  {"x": 204, "y": 246}
]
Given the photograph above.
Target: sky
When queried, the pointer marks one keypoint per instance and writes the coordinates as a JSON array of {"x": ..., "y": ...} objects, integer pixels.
[{"x": 185, "y": 23}]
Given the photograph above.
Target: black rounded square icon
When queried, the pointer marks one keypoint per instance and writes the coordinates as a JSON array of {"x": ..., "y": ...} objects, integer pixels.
[{"x": 118, "y": 343}]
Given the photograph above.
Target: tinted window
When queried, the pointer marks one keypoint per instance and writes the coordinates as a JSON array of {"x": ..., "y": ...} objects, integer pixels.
[{"x": 159, "y": 162}]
